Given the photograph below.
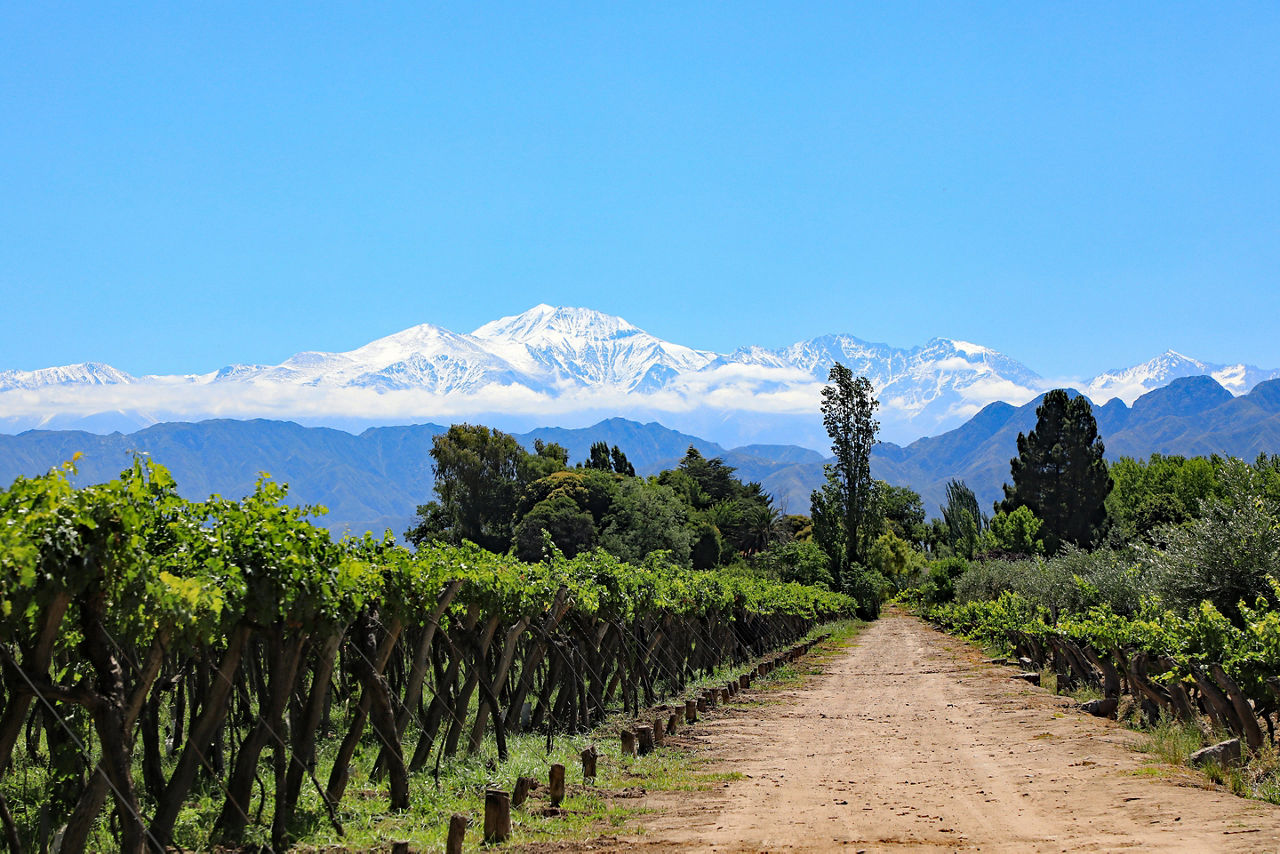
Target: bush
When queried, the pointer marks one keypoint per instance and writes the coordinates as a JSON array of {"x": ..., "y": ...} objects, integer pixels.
[
  {"x": 801, "y": 562},
  {"x": 1227, "y": 554},
  {"x": 1070, "y": 583},
  {"x": 868, "y": 588},
  {"x": 939, "y": 585}
]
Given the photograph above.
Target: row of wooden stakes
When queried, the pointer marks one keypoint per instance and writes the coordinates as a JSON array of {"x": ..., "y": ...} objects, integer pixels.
[{"x": 638, "y": 741}]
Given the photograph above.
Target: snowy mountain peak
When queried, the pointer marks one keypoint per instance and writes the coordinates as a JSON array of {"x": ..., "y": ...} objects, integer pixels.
[
  {"x": 544, "y": 324},
  {"x": 1129, "y": 384},
  {"x": 83, "y": 374}
]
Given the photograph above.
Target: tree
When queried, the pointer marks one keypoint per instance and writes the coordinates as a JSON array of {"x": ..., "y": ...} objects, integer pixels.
[
  {"x": 1162, "y": 490},
  {"x": 1060, "y": 474},
  {"x": 848, "y": 409},
  {"x": 605, "y": 458},
  {"x": 598, "y": 457},
  {"x": 478, "y": 480},
  {"x": 893, "y": 557},
  {"x": 1230, "y": 553},
  {"x": 571, "y": 528},
  {"x": 1015, "y": 533},
  {"x": 646, "y": 517},
  {"x": 621, "y": 464},
  {"x": 903, "y": 512},
  {"x": 964, "y": 521}
]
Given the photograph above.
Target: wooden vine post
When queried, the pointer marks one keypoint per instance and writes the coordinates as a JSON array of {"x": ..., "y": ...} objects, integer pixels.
[
  {"x": 556, "y": 779},
  {"x": 588, "y": 757},
  {"x": 497, "y": 816},
  {"x": 644, "y": 739},
  {"x": 457, "y": 833},
  {"x": 520, "y": 793}
]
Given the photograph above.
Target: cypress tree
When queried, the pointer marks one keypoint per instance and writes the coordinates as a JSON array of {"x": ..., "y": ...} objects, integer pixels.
[{"x": 1059, "y": 473}]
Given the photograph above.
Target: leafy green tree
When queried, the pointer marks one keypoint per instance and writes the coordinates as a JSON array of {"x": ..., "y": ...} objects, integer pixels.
[
  {"x": 1016, "y": 533},
  {"x": 965, "y": 522},
  {"x": 893, "y": 558},
  {"x": 591, "y": 490},
  {"x": 605, "y": 458},
  {"x": 621, "y": 465},
  {"x": 939, "y": 585},
  {"x": 712, "y": 476},
  {"x": 903, "y": 512},
  {"x": 1230, "y": 553},
  {"x": 801, "y": 562},
  {"x": 1060, "y": 474},
  {"x": 706, "y": 545},
  {"x": 478, "y": 481},
  {"x": 598, "y": 457},
  {"x": 571, "y": 528},
  {"x": 1161, "y": 490},
  {"x": 847, "y": 503},
  {"x": 547, "y": 457},
  {"x": 646, "y": 517}
]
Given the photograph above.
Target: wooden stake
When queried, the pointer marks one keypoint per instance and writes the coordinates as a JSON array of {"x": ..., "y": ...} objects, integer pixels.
[
  {"x": 557, "y": 784},
  {"x": 724, "y": 696},
  {"x": 497, "y": 815},
  {"x": 690, "y": 711},
  {"x": 744, "y": 681},
  {"x": 399, "y": 848},
  {"x": 588, "y": 763},
  {"x": 671, "y": 724},
  {"x": 700, "y": 704},
  {"x": 659, "y": 731},
  {"x": 457, "y": 833},
  {"x": 644, "y": 735},
  {"x": 521, "y": 792},
  {"x": 628, "y": 743}
]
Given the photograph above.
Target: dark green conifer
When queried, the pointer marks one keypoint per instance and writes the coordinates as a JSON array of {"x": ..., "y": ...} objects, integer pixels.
[{"x": 1059, "y": 473}]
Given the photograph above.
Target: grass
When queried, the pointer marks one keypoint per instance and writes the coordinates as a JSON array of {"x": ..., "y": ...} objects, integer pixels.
[{"x": 1171, "y": 741}]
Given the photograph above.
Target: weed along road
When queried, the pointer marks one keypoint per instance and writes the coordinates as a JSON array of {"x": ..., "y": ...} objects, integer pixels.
[{"x": 906, "y": 740}]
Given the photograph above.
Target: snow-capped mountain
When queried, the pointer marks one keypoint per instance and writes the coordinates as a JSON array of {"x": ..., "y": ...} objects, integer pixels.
[
  {"x": 86, "y": 373},
  {"x": 578, "y": 346},
  {"x": 1131, "y": 383},
  {"x": 578, "y": 363}
]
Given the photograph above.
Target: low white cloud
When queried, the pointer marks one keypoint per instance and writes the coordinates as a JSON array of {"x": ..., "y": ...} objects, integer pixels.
[
  {"x": 958, "y": 363},
  {"x": 990, "y": 389}
]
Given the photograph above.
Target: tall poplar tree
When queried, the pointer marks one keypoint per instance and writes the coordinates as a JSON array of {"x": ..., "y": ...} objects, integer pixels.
[
  {"x": 1059, "y": 473},
  {"x": 844, "y": 510}
]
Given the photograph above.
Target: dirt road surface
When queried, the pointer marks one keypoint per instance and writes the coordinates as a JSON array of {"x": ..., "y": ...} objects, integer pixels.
[{"x": 907, "y": 741}]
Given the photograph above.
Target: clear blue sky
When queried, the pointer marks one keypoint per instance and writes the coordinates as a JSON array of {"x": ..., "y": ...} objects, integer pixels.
[{"x": 1080, "y": 186}]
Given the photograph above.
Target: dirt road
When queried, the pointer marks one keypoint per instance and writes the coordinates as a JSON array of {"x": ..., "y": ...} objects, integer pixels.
[{"x": 908, "y": 741}]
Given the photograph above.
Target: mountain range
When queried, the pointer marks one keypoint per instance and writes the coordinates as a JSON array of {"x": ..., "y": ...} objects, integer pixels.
[
  {"x": 573, "y": 366},
  {"x": 375, "y": 480}
]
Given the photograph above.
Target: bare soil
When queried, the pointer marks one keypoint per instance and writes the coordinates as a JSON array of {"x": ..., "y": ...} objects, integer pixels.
[{"x": 906, "y": 740}]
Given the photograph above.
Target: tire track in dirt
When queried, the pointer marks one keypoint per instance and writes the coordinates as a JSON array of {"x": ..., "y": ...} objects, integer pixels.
[{"x": 908, "y": 741}]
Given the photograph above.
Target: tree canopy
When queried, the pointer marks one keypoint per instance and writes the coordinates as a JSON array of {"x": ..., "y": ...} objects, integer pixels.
[{"x": 1060, "y": 474}]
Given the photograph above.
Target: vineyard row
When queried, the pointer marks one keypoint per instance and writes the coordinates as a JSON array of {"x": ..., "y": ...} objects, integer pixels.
[{"x": 152, "y": 647}]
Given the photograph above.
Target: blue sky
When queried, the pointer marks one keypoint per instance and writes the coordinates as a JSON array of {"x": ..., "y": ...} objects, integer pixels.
[{"x": 1078, "y": 185}]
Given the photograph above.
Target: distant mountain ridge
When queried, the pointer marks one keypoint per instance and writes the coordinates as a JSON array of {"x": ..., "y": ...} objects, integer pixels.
[
  {"x": 575, "y": 364},
  {"x": 376, "y": 479}
]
